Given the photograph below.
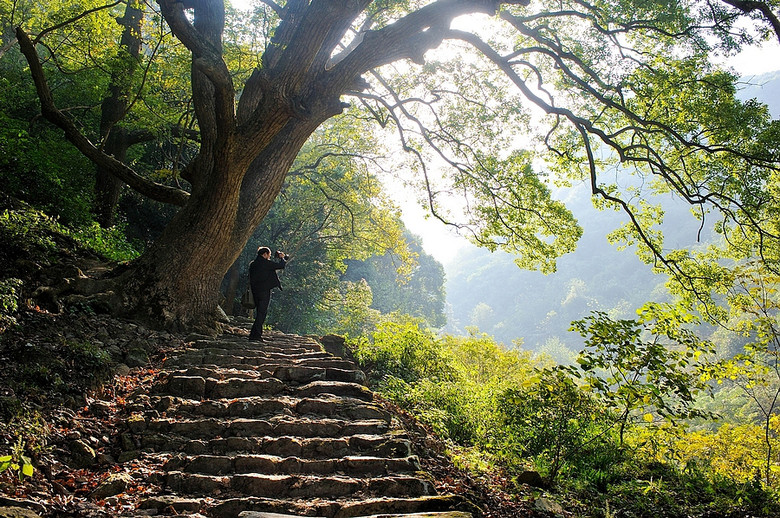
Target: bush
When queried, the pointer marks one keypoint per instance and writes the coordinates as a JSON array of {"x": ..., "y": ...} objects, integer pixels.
[
  {"x": 404, "y": 350},
  {"x": 30, "y": 232},
  {"x": 562, "y": 427},
  {"x": 9, "y": 302}
]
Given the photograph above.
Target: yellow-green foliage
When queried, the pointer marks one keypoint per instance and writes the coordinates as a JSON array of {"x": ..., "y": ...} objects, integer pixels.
[
  {"x": 451, "y": 383},
  {"x": 9, "y": 302},
  {"x": 736, "y": 452}
]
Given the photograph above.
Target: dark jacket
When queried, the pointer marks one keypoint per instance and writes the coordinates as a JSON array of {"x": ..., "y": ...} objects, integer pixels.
[{"x": 262, "y": 274}]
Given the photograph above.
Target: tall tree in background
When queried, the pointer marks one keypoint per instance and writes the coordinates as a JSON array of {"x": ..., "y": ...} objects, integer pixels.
[
  {"x": 419, "y": 292},
  {"x": 618, "y": 88},
  {"x": 331, "y": 208}
]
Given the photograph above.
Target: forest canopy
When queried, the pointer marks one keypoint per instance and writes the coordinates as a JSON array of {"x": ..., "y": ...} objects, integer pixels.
[{"x": 206, "y": 108}]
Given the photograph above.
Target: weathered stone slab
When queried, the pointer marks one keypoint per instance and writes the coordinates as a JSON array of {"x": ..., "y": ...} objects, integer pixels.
[
  {"x": 226, "y": 445},
  {"x": 265, "y": 464},
  {"x": 328, "y": 363},
  {"x": 178, "y": 504},
  {"x": 336, "y": 388},
  {"x": 186, "y": 386},
  {"x": 113, "y": 485},
  {"x": 196, "y": 429},
  {"x": 237, "y": 387},
  {"x": 250, "y": 407},
  {"x": 309, "y": 427},
  {"x": 250, "y": 428},
  {"x": 283, "y": 446},
  {"x": 399, "y": 506},
  {"x": 210, "y": 465},
  {"x": 17, "y": 512},
  {"x": 351, "y": 375},
  {"x": 280, "y": 486},
  {"x": 299, "y": 374},
  {"x": 400, "y": 486},
  {"x": 442, "y": 514},
  {"x": 369, "y": 426},
  {"x": 195, "y": 484}
]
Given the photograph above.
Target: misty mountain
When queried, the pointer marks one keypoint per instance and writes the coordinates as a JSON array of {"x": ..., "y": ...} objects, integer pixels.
[{"x": 488, "y": 291}]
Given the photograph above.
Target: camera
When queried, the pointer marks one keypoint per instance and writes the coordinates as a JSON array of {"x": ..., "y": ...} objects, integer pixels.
[{"x": 279, "y": 253}]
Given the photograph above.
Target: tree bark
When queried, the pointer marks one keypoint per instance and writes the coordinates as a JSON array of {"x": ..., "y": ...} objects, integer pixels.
[
  {"x": 114, "y": 137},
  {"x": 233, "y": 278}
]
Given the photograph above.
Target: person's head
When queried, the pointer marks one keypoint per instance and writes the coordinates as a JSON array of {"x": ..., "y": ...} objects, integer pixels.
[{"x": 264, "y": 251}]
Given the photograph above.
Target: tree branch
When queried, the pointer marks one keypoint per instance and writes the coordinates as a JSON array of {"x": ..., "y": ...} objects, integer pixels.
[
  {"x": 74, "y": 19},
  {"x": 216, "y": 110},
  {"x": 153, "y": 190},
  {"x": 748, "y": 6},
  {"x": 411, "y": 36}
]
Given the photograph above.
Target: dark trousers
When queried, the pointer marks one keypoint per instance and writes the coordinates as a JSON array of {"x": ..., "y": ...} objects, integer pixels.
[{"x": 262, "y": 299}]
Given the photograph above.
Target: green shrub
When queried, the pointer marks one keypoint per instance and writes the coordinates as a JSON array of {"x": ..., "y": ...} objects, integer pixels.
[
  {"x": 108, "y": 242},
  {"x": 562, "y": 427},
  {"x": 404, "y": 350},
  {"x": 21, "y": 438},
  {"x": 33, "y": 231},
  {"x": 9, "y": 302},
  {"x": 28, "y": 229}
]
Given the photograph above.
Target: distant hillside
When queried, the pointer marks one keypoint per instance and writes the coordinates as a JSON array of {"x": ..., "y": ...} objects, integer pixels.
[
  {"x": 488, "y": 291},
  {"x": 765, "y": 88}
]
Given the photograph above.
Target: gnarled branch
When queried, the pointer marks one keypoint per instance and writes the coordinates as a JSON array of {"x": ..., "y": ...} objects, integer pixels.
[{"x": 153, "y": 190}]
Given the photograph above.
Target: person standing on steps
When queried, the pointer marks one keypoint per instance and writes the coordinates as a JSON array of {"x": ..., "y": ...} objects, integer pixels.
[{"x": 262, "y": 279}]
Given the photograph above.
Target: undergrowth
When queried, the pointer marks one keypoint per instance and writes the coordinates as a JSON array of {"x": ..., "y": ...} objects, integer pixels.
[{"x": 507, "y": 412}]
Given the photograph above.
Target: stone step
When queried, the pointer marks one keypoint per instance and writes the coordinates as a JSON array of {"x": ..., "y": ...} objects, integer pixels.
[
  {"x": 198, "y": 387},
  {"x": 271, "y": 341},
  {"x": 335, "y": 388},
  {"x": 353, "y": 466},
  {"x": 295, "y": 374},
  {"x": 232, "y": 361},
  {"x": 261, "y": 351},
  {"x": 210, "y": 428},
  {"x": 440, "y": 514},
  {"x": 265, "y": 347},
  {"x": 325, "y": 405},
  {"x": 307, "y": 374},
  {"x": 296, "y": 486},
  {"x": 247, "y": 507},
  {"x": 287, "y": 446},
  {"x": 218, "y": 373}
]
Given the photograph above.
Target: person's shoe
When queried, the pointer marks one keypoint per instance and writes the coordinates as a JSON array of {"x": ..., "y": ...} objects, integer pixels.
[{"x": 255, "y": 338}]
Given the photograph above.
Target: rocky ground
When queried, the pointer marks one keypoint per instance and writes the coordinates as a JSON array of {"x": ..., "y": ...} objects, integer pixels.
[{"x": 78, "y": 379}]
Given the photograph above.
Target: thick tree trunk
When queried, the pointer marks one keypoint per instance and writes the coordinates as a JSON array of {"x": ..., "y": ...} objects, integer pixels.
[
  {"x": 233, "y": 278},
  {"x": 176, "y": 283}
]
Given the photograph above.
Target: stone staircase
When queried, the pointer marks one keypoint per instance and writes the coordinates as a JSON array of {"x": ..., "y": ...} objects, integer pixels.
[{"x": 277, "y": 429}]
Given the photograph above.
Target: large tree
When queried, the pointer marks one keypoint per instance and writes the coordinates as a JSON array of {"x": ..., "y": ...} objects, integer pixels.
[{"x": 616, "y": 87}]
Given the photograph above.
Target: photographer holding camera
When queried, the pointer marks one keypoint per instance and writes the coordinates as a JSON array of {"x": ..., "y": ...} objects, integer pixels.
[{"x": 262, "y": 279}]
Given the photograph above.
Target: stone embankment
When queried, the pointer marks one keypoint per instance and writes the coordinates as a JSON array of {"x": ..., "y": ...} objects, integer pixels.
[{"x": 273, "y": 429}]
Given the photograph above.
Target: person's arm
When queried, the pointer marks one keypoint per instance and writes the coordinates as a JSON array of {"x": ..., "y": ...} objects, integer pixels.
[{"x": 282, "y": 261}]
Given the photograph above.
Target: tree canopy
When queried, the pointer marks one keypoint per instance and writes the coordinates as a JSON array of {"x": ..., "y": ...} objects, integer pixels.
[{"x": 588, "y": 93}]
